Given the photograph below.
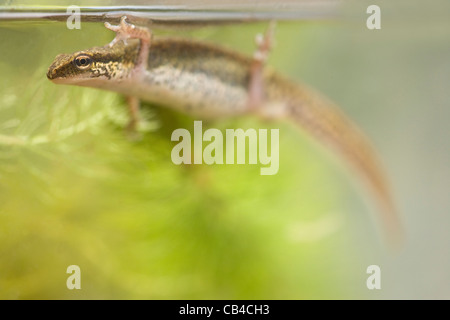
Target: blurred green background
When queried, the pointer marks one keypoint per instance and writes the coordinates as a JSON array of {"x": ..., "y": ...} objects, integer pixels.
[{"x": 75, "y": 190}]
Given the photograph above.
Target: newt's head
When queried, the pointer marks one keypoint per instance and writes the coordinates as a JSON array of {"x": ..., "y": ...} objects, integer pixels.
[{"x": 95, "y": 64}]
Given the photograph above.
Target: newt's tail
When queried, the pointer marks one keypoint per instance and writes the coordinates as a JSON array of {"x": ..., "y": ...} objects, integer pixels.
[{"x": 327, "y": 124}]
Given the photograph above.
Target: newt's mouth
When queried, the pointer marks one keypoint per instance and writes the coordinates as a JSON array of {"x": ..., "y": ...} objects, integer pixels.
[
  {"x": 58, "y": 80},
  {"x": 53, "y": 76}
]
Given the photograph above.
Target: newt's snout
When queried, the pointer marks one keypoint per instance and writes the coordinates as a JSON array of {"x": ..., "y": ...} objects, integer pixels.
[
  {"x": 51, "y": 73},
  {"x": 60, "y": 67}
]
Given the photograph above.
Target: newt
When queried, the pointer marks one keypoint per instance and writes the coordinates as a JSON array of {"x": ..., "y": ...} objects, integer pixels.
[{"x": 209, "y": 81}]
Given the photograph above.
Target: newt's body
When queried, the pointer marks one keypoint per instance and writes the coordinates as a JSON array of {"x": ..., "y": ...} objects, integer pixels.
[{"x": 208, "y": 81}]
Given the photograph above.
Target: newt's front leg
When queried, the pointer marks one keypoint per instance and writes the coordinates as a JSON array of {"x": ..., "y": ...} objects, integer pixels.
[{"x": 126, "y": 31}]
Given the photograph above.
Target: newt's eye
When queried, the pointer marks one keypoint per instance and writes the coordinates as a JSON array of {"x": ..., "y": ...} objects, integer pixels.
[{"x": 82, "y": 61}]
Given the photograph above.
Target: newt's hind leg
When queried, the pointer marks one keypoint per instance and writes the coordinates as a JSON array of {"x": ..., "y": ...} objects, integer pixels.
[{"x": 256, "y": 91}]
